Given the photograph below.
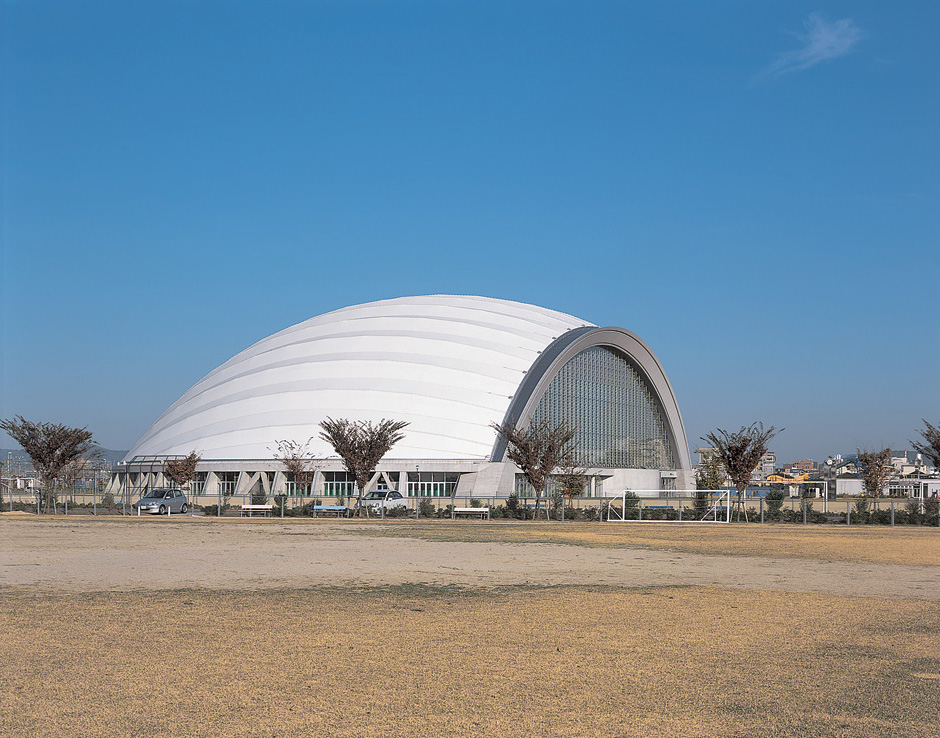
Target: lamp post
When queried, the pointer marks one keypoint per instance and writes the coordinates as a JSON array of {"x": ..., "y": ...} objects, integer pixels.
[{"x": 832, "y": 470}]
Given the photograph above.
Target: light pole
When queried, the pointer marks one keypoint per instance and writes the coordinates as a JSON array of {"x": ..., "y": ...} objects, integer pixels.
[{"x": 832, "y": 469}]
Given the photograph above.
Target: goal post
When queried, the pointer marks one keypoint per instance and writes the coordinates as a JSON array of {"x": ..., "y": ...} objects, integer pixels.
[{"x": 616, "y": 509}]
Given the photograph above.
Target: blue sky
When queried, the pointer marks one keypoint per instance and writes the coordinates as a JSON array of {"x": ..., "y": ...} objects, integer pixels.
[{"x": 752, "y": 188}]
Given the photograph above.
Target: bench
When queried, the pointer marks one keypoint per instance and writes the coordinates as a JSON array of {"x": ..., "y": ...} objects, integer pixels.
[
  {"x": 481, "y": 511},
  {"x": 339, "y": 511},
  {"x": 251, "y": 509}
]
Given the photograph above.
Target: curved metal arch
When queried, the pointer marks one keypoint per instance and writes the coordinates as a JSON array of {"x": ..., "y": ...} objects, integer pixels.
[{"x": 570, "y": 344}]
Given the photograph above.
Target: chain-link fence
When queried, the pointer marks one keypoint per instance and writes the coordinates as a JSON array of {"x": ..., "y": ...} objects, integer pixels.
[{"x": 678, "y": 506}]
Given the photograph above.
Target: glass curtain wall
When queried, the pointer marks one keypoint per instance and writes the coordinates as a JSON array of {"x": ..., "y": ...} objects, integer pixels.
[
  {"x": 338, "y": 484},
  {"x": 522, "y": 487},
  {"x": 619, "y": 421},
  {"x": 432, "y": 484},
  {"x": 199, "y": 483},
  {"x": 227, "y": 482}
]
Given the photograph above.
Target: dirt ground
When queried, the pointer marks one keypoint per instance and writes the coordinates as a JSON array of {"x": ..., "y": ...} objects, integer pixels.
[
  {"x": 85, "y": 555},
  {"x": 189, "y": 627}
]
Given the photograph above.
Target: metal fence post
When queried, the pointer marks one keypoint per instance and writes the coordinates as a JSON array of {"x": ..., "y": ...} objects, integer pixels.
[
  {"x": 804, "y": 510},
  {"x": 892, "y": 512},
  {"x": 762, "y": 509}
]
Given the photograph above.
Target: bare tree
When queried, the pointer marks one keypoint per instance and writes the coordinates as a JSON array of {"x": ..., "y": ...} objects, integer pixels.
[
  {"x": 876, "y": 470},
  {"x": 78, "y": 468},
  {"x": 740, "y": 453},
  {"x": 51, "y": 447},
  {"x": 571, "y": 479},
  {"x": 361, "y": 445},
  {"x": 709, "y": 477},
  {"x": 182, "y": 471},
  {"x": 537, "y": 450},
  {"x": 931, "y": 446},
  {"x": 301, "y": 466}
]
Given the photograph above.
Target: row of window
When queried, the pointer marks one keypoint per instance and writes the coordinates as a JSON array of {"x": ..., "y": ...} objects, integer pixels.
[
  {"x": 556, "y": 485},
  {"x": 419, "y": 484}
]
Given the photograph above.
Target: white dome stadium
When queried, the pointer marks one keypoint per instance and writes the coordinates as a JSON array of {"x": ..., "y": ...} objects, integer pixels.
[{"x": 448, "y": 365}]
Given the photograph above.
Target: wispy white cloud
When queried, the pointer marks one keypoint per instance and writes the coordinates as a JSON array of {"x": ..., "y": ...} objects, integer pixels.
[{"x": 822, "y": 41}]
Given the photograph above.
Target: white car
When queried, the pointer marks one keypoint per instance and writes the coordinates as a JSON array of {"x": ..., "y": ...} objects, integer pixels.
[{"x": 378, "y": 499}]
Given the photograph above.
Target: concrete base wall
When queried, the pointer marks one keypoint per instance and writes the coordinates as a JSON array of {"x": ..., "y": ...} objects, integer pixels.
[{"x": 477, "y": 478}]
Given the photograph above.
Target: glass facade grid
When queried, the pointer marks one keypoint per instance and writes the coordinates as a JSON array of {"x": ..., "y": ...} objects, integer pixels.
[
  {"x": 432, "y": 484},
  {"x": 338, "y": 484},
  {"x": 293, "y": 490},
  {"x": 619, "y": 421},
  {"x": 227, "y": 482}
]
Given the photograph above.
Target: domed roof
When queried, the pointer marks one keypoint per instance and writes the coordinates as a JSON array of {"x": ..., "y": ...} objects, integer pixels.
[{"x": 448, "y": 365}]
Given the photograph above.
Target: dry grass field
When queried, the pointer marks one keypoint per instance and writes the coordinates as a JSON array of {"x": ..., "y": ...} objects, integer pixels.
[
  {"x": 417, "y": 660},
  {"x": 858, "y": 544}
]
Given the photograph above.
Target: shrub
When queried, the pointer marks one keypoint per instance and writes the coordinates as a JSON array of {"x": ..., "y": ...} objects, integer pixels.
[
  {"x": 920, "y": 512},
  {"x": 427, "y": 508},
  {"x": 774, "y": 501},
  {"x": 880, "y": 517},
  {"x": 861, "y": 508},
  {"x": 932, "y": 511},
  {"x": 212, "y": 510},
  {"x": 702, "y": 498},
  {"x": 574, "y": 513},
  {"x": 629, "y": 513}
]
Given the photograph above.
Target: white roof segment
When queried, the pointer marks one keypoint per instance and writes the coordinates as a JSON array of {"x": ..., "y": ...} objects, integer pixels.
[{"x": 446, "y": 364}]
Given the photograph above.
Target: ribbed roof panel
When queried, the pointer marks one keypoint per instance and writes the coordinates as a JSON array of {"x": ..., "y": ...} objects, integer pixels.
[{"x": 448, "y": 365}]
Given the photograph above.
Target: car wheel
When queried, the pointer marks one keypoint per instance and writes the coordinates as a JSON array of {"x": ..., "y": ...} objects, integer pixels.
[
  {"x": 183, "y": 509},
  {"x": 163, "y": 509}
]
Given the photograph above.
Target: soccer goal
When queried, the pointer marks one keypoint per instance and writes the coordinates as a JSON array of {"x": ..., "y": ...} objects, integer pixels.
[{"x": 630, "y": 508}]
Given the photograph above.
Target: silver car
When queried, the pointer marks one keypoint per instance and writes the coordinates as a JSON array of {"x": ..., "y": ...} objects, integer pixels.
[{"x": 160, "y": 501}]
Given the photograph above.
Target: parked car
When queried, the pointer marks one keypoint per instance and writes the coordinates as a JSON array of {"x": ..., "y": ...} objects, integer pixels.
[
  {"x": 158, "y": 501},
  {"x": 377, "y": 499}
]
